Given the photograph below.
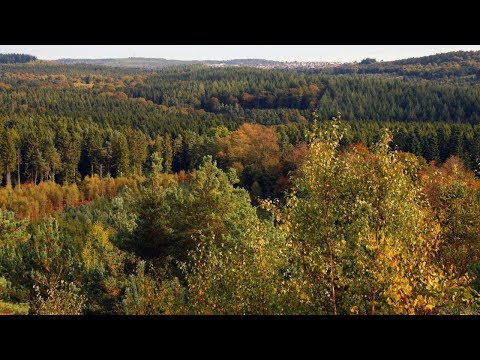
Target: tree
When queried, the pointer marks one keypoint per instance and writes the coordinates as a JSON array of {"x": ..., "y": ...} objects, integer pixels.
[
  {"x": 167, "y": 153},
  {"x": 148, "y": 295},
  {"x": 68, "y": 144},
  {"x": 453, "y": 194},
  {"x": 361, "y": 234},
  {"x": 246, "y": 278},
  {"x": 64, "y": 299},
  {"x": 138, "y": 146},
  {"x": 171, "y": 220},
  {"x": 178, "y": 154},
  {"x": 53, "y": 161},
  {"x": 95, "y": 144},
  {"x": 9, "y": 139},
  {"x": 432, "y": 151},
  {"x": 12, "y": 231},
  {"x": 253, "y": 151},
  {"x": 368, "y": 61},
  {"x": 120, "y": 154}
]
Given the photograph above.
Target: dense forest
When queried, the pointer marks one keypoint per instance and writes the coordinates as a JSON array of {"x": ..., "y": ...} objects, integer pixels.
[
  {"x": 16, "y": 58},
  {"x": 457, "y": 66},
  {"x": 200, "y": 190}
]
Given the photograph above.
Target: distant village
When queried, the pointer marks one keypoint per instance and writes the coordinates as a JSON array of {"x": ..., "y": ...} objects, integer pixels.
[{"x": 279, "y": 65}]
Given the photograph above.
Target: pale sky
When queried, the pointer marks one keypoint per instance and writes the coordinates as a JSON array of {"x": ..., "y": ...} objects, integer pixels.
[{"x": 342, "y": 53}]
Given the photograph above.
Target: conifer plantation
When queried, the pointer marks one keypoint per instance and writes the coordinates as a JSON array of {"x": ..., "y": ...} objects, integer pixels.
[{"x": 194, "y": 189}]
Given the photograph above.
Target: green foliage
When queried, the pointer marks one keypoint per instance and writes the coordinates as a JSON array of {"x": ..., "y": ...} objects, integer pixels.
[
  {"x": 170, "y": 219},
  {"x": 6, "y": 306},
  {"x": 457, "y": 66},
  {"x": 9, "y": 139},
  {"x": 245, "y": 277},
  {"x": 103, "y": 271},
  {"x": 16, "y": 58},
  {"x": 12, "y": 231},
  {"x": 368, "y": 61}
]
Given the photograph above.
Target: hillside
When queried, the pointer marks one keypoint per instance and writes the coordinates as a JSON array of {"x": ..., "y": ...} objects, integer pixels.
[
  {"x": 144, "y": 63},
  {"x": 160, "y": 63},
  {"x": 431, "y": 118},
  {"x": 458, "y": 66}
]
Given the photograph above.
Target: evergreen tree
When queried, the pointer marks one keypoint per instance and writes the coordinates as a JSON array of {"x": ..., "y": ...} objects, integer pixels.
[{"x": 9, "y": 139}]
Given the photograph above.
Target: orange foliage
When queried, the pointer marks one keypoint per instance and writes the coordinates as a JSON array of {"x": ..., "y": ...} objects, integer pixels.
[
  {"x": 295, "y": 158},
  {"x": 248, "y": 97},
  {"x": 37, "y": 201},
  {"x": 252, "y": 145},
  {"x": 453, "y": 193},
  {"x": 360, "y": 148},
  {"x": 93, "y": 187},
  {"x": 182, "y": 177},
  {"x": 453, "y": 171}
]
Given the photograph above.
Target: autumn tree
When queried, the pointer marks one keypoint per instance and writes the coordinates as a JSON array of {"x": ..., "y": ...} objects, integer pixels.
[
  {"x": 253, "y": 151},
  {"x": 362, "y": 235},
  {"x": 453, "y": 194}
]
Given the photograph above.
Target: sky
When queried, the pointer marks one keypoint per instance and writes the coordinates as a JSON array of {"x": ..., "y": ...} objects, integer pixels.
[{"x": 341, "y": 53}]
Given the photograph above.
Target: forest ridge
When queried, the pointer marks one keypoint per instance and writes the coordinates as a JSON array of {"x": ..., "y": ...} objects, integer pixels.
[{"x": 192, "y": 189}]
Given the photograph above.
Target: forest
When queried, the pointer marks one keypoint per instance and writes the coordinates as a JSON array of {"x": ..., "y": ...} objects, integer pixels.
[
  {"x": 457, "y": 67},
  {"x": 235, "y": 190}
]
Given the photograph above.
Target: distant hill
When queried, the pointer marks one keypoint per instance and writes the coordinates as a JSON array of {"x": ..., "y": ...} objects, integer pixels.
[
  {"x": 459, "y": 57},
  {"x": 457, "y": 66},
  {"x": 144, "y": 63},
  {"x": 160, "y": 63}
]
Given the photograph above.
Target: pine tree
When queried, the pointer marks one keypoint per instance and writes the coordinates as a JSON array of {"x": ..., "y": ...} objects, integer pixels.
[
  {"x": 9, "y": 139},
  {"x": 120, "y": 155},
  {"x": 69, "y": 146},
  {"x": 167, "y": 153}
]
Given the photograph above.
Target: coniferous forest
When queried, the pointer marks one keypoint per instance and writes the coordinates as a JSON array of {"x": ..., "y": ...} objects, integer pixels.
[{"x": 195, "y": 189}]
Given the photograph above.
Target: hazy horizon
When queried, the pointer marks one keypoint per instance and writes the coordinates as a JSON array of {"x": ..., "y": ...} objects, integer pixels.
[{"x": 337, "y": 53}]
